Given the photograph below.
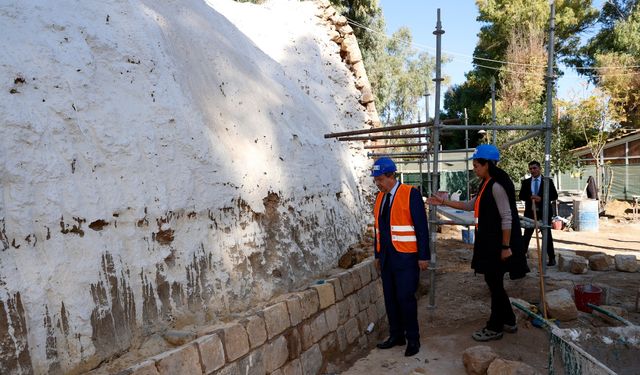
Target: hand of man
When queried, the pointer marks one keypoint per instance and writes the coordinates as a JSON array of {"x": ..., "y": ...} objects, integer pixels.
[
  {"x": 423, "y": 265},
  {"x": 536, "y": 198}
]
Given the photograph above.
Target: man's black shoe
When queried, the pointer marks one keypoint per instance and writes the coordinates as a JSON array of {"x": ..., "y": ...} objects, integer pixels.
[
  {"x": 390, "y": 343},
  {"x": 551, "y": 263},
  {"x": 413, "y": 347}
]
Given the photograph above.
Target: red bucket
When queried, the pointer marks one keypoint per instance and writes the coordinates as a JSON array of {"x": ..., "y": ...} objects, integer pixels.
[{"x": 587, "y": 294}]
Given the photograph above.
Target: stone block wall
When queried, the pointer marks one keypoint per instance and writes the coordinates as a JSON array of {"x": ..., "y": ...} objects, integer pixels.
[{"x": 298, "y": 334}]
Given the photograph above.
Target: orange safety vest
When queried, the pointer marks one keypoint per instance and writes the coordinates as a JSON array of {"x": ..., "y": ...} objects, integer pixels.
[
  {"x": 403, "y": 234},
  {"x": 476, "y": 206}
]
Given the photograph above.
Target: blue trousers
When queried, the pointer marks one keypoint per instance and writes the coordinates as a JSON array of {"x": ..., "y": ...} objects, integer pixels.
[{"x": 400, "y": 275}]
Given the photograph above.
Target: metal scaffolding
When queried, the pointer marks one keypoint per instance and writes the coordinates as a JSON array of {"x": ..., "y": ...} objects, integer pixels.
[{"x": 431, "y": 132}]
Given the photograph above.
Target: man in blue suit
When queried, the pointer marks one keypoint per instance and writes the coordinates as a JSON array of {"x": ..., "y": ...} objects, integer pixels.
[
  {"x": 531, "y": 192},
  {"x": 401, "y": 248}
]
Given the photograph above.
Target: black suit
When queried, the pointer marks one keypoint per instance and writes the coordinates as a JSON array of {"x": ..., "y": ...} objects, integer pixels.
[{"x": 525, "y": 195}]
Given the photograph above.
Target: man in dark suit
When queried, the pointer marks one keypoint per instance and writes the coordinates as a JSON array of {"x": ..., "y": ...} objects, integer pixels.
[
  {"x": 401, "y": 248},
  {"x": 532, "y": 191}
]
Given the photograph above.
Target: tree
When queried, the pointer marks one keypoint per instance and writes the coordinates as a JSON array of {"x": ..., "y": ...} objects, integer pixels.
[
  {"x": 502, "y": 16},
  {"x": 596, "y": 117},
  {"x": 400, "y": 76},
  {"x": 515, "y": 31},
  {"x": 397, "y": 72},
  {"x": 605, "y": 58}
]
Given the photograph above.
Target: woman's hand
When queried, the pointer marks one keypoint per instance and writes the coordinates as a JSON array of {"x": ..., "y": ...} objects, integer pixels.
[
  {"x": 506, "y": 253},
  {"x": 435, "y": 200}
]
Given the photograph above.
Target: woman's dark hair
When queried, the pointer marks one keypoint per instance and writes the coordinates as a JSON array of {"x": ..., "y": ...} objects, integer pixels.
[{"x": 500, "y": 176}]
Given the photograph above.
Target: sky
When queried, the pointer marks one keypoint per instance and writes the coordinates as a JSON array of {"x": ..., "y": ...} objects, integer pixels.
[{"x": 458, "y": 18}]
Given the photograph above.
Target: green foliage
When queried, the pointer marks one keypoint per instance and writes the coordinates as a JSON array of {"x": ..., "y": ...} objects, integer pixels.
[
  {"x": 609, "y": 38},
  {"x": 597, "y": 118},
  {"x": 516, "y": 31},
  {"x": 369, "y": 14},
  {"x": 396, "y": 71},
  {"x": 399, "y": 78},
  {"x": 502, "y": 16},
  {"x": 617, "y": 44}
]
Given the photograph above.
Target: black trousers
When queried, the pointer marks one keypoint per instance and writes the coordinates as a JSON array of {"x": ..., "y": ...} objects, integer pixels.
[
  {"x": 526, "y": 239},
  {"x": 501, "y": 311}
]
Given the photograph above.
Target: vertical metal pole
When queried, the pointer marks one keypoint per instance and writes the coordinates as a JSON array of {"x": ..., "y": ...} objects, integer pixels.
[
  {"x": 626, "y": 171},
  {"x": 466, "y": 153},
  {"x": 436, "y": 148},
  {"x": 547, "y": 141},
  {"x": 426, "y": 99},
  {"x": 428, "y": 138},
  {"x": 494, "y": 132},
  {"x": 466, "y": 161}
]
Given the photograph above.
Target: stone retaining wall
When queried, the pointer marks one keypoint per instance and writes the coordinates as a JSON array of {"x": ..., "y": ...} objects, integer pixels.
[{"x": 299, "y": 334}]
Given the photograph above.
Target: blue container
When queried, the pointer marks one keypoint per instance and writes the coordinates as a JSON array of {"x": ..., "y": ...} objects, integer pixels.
[
  {"x": 585, "y": 213},
  {"x": 467, "y": 235}
]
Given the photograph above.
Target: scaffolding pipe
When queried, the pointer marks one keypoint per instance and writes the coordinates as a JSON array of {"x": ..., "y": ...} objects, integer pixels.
[
  {"x": 547, "y": 142},
  {"x": 385, "y": 128},
  {"x": 380, "y": 137},
  {"x": 390, "y": 154},
  {"x": 491, "y": 127},
  {"x": 532, "y": 134},
  {"x": 398, "y": 145},
  {"x": 435, "y": 180},
  {"x": 466, "y": 153},
  {"x": 494, "y": 134}
]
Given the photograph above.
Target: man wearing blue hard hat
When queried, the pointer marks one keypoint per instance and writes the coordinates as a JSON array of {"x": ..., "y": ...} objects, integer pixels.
[
  {"x": 401, "y": 248},
  {"x": 497, "y": 248}
]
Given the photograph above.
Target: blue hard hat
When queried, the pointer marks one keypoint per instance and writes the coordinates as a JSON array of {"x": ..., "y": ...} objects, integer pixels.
[
  {"x": 382, "y": 166},
  {"x": 486, "y": 151}
]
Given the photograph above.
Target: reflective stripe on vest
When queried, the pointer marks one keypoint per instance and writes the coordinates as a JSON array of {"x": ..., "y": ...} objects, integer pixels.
[{"x": 403, "y": 234}]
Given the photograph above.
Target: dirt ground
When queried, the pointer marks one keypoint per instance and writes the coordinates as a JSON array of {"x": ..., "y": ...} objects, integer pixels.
[{"x": 462, "y": 303}]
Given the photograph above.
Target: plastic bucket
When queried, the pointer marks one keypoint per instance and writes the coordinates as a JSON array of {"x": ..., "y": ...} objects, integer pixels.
[
  {"x": 585, "y": 213},
  {"x": 467, "y": 235},
  {"x": 584, "y": 294}
]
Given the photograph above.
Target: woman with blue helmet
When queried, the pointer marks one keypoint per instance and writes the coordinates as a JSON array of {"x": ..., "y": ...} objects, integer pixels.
[{"x": 497, "y": 248}]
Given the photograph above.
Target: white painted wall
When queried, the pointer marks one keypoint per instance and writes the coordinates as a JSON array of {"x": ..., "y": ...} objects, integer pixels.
[{"x": 194, "y": 131}]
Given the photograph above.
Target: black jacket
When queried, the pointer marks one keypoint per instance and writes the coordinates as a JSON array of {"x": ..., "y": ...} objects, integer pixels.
[
  {"x": 525, "y": 195},
  {"x": 488, "y": 244}
]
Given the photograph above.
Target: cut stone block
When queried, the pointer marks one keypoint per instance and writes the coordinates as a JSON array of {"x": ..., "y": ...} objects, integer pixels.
[
  {"x": 626, "y": 263},
  {"x": 254, "y": 363},
  {"x": 276, "y": 318},
  {"x": 326, "y": 295},
  {"x": 560, "y": 305},
  {"x": 309, "y": 302},
  {"x": 295, "y": 310},
  {"x": 256, "y": 330},
  {"x": 311, "y": 361},
  {"x": 276, "y": 354},
  {"x": 477, "y": 359},
  {"x": 292, "y": 368},
  {"x": 236, "y": 342},
  {"x": 183, "y": 360},
  {"x": 211, "y": 352}
]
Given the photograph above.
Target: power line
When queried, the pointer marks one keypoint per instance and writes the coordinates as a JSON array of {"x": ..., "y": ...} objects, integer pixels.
[{"x": 421, "y": 46}]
